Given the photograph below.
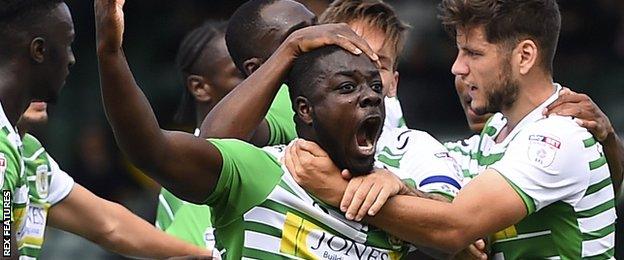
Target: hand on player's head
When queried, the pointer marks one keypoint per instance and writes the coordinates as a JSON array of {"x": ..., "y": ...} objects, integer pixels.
[
  {"x": 314, "y": 37},
  {"x": 109, "y": 24},
  {"x": 586, "y": 113}
]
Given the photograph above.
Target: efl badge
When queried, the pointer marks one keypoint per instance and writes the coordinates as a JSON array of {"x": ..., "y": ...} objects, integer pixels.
[
  {"x": 41, "y": 181},
  {"x": 543, "y": 149}
]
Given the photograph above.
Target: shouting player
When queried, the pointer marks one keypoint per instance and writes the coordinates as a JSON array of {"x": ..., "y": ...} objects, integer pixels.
[{"x": 549, "y": 177}]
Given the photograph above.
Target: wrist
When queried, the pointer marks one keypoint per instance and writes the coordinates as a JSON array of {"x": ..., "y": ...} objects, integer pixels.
[{"x": 611, "y": 137}]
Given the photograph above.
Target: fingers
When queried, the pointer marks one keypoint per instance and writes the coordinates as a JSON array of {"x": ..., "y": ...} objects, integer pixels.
[
  {"x": 476, "y": 253},
  {"x": 569, "y": 109},
  {"x": 371, "y": 197},
  {"x": 379, "y": 202},
  {"x": 358, "y": 198},
  {"x": 312, "y": 148},
  {"x": 360, "y": 44},
  {"x": 352, "y": 187},
  {"x": 562, "y": 99},
  {"x": 346, "y": 174}
]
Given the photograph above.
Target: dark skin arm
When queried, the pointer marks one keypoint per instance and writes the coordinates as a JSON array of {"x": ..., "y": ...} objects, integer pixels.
[
  {"x": 185, "y": 165},
  {"x": 589, "y": 115},
  {"x": 241, "y": 113}
]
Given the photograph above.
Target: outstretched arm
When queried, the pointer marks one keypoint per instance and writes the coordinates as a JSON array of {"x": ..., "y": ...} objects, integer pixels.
[
  {"x": 240, "y": 114},
  {"x": 589, "y": 115},
  {"x": 113, "y": 227},
  {"x": 184, "y": 164}
]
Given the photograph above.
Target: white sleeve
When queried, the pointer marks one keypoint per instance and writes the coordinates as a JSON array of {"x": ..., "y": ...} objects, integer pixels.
[
  {"x": 428, "y": 163},
  {"x": 60, "y": 184},
  {"x": 546, "y": 163}
]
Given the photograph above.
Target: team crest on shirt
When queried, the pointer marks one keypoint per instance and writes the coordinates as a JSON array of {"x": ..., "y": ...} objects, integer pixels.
[
  {"x": 543, "y": 149},
  {"x": 41, "y": 181}
]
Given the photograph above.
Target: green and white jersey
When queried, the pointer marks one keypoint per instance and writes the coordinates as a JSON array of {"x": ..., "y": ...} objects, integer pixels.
[
  {"x": 191, "y": 222},
  {"x": 394, "y": 114},
  {"x": 13, "y": 179},
  {"x": 465, "y": 153},
  {"x": 418, "y": 155},
  {"x": 562, "y": 175},
  {"x": 260, "y": 212},
  {"x": 187, "y": 221},
  {"x": 47, "y": 185}
]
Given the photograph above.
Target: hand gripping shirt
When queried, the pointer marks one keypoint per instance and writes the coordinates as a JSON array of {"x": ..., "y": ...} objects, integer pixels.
[
  {"x": 561, "y": 173},
  {"x": 260, "y": 212}
]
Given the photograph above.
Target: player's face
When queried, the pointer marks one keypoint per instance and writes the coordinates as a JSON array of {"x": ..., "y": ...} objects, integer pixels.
[
  {"x": 376, "y": 39},
  {"x": 475, "y": 121},
  {"x": 348, "y": 110},
  {"x": 485, "y": 69},
  {"x": 220, "y": 69},
  {"x": 59, "y": 55},
  {"x": 37, "y": 113},
  {"x": 283, "y": 18}
]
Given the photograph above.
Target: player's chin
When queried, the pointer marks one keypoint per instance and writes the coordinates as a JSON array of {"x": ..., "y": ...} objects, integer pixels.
[{"x": 361, "y": 166}]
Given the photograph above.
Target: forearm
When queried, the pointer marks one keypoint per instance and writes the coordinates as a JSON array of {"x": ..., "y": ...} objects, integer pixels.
[
  {"x": 614, "y": 152},
  {"x": 240, "y": 112},
  {"x": 128, "y": 111},
  {"x": 113, "y": 227},
  {"x": 134, "y": 236},
  {"x": 423, "y": 222}
]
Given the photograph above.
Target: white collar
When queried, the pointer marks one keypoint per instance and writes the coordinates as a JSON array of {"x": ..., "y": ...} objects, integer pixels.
[{"x": 534, "y": 115}]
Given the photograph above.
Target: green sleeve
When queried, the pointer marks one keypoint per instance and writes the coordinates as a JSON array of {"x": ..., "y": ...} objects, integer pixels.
[
  {"x": 168, "y": 205},
  {"x": 280, "y": 119},
  {"x": 10, "y": 168},
  {"x": 248, "y": 176},
  {"x": 190, "y": 224}
]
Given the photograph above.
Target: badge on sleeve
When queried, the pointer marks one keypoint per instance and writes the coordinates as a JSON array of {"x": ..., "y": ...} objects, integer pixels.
[{"x": 543, "y": 149}]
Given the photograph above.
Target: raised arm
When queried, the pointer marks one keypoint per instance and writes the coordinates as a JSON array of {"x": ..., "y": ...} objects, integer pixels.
[
  {"x": 115, "y": 228},
  {"x": 589, "y": 115},
  {"x": 185, "y": 165},
  {"x": 240, "y": 114}
]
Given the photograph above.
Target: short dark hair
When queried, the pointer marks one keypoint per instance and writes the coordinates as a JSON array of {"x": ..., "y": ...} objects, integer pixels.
[
  {"x": 304, "y": 72},
  {"x": 508, "y": 22},
  {"x": 16, "y": 15},
  {"x": 376, "y": 13},
  {"x": 242, "y": 32},
  {"x": 13, "y": 10},
  {"x": 191, "y": 48}
]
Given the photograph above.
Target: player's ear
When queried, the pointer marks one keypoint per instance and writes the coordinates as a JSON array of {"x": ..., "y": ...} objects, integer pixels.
[
  {"x": 304, "y": 110},
  {"x": 199, "y": 88},
  {"x": 394, "y": 88},
  {"x": 251, "y": 65},
  {"x": 38, "y": 49},
  {"x": 527, "y": 56}
]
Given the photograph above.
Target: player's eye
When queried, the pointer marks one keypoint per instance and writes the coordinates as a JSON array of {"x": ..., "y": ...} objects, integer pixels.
[
  {"x": 377, "y": 87},
  {"x": 346, "y": 87}
]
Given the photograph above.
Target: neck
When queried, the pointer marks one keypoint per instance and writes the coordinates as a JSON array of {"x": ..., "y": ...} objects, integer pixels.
[
  {"x": 532, "y": 92},
  {"x": 13, "y": 93},
  {"x": 201, "y": 111}
]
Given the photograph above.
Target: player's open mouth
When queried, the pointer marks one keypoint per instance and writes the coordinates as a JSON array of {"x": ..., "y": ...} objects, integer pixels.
[{"x": 366, "y": 135}]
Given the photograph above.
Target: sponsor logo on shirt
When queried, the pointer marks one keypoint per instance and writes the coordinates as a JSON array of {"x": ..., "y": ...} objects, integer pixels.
[{"x": 304, "y": 239}]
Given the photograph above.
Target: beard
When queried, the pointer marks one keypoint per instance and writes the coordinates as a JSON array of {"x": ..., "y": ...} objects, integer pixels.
[{"x": 503, "y": 93}]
